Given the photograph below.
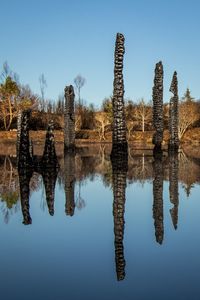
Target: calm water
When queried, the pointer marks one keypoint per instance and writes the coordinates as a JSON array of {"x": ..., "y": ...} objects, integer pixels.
[{"x": 101, "y": 234}]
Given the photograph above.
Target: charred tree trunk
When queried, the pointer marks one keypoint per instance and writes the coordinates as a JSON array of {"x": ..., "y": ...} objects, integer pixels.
[
  {"x": 19, "y": 124},
  {"x": 49, "y": 158},
  {"x": 24, "y": 157},
  {"x": 69, "y": 118},
  {"x": 158, "y": 198},
  {"x": 119, "y": 170},
  {"x": 69, "y": 164},
  {"x": 158, "y": 107},
  {"x": 173, "y": 115},
  {"x": 173, "y": 186},
  {"x": 119, "y": 122}
]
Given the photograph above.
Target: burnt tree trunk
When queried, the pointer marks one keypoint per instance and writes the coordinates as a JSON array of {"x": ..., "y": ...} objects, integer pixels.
[
  {"x": 23, "y": 143},
  {"x": 173, "y": 115},
  {"x": 69, "y": 118},
  {"x": 119, "y": 122},
  {"x": 19, "y": 123},
  {"x": 158, "y": 107},
  {"x": 49, "y": 157},
  {"x": 119, "y": 172},
  {"x": 158, "y": 198}
]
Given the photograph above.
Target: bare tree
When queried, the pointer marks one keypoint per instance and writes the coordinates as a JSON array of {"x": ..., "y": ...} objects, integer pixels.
[
  {"x": 43, "y": 85},
  {"x": 102, "y": 121},
  {"x": 188, "y": 115},
  {"x": 143, "y": 113},
  {"x": 79, "y": 82}
]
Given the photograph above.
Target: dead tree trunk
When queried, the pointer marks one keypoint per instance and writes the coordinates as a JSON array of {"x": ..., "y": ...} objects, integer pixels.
[
  {"x": 19, "y": 123},
  {"x": 69, "y": 119},
  {"x": 173, "y": 115},
  {"x": 158, "y": 107},
  {"x": 23, "y": 144},
  {"x": 119, "y": 122},
  {"x": 158, "y": 197},
  {"x": 49, "y": 157},
  {"x": 119, "y": 169}
]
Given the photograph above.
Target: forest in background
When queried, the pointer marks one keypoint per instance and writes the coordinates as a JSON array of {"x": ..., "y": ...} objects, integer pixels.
[{"x": 90, "y": 123}]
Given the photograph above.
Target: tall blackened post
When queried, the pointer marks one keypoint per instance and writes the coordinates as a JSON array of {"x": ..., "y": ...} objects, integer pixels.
[
  {"x": 49, "y": 157},
  {"x": 69, "y": 119},
  {"x": 119, "y": 122},
  {"x": 19, "y": 123},
  {"x": 173, "y": 115},
  {"x": 23, "y": 143},
  {"x": 158, "y": 107}
]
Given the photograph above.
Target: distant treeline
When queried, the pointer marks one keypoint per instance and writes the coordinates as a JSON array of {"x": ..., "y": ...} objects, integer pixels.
[{"x": 15, "y": 97}]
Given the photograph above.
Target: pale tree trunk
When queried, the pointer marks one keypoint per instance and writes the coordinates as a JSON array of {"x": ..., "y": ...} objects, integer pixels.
[{"x": 143, "y": 123}]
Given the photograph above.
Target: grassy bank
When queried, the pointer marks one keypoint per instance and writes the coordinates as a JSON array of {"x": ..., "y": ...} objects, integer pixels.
[{"x": 192, "y": 136}]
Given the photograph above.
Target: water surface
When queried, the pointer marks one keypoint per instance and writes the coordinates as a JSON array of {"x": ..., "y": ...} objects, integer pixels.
[{"x": 90, "y": 231}]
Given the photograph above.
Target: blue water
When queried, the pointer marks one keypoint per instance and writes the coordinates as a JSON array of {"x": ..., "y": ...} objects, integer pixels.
[{"x": 64, "y": 257}]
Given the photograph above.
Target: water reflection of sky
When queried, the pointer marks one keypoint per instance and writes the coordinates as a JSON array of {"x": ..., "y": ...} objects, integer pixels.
[{"x": 59, "y": 257}]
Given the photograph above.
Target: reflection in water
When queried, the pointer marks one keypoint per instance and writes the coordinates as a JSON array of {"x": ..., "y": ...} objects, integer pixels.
[
  {"x": 173, "y": 186},
  {"x": 158, "y": 197},
  {"x": 69, "y": 175},
  {"x": 27, "y": 164},
  {"x": 25, "y": 175},
  {"x": 119, "y": 171},
  {"x": 49, "y": 178},
  {"x": 9, "y": 187}
]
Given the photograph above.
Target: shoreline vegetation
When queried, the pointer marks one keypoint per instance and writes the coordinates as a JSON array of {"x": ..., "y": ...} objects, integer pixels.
[
  {"x": 91, "y": 125},
  {"x": 138, "y": 139}
]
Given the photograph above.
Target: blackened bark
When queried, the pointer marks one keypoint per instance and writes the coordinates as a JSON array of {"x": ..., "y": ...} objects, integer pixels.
[
  {"x": 119, "y": 122},
  {"x": 69, "y": 118},
  {"x": 24, "y": 157},
  {"x": 173, "y": 115},
  {"x": 158, "y": 106},
  {"x": 49, "y": 157}
]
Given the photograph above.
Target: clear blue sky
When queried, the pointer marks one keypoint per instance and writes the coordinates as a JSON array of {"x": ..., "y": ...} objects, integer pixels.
[{"x": 63, "y": 38}]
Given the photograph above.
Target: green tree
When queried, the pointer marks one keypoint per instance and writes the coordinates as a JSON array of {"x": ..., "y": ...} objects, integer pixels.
[{"x": 9, "y": 97}]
